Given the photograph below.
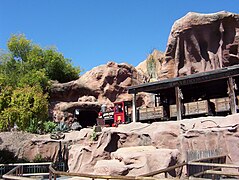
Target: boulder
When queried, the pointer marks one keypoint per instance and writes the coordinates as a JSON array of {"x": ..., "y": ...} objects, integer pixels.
[
  {"x": 144, "y": 159},
  {"x": 110, "y": 168}
]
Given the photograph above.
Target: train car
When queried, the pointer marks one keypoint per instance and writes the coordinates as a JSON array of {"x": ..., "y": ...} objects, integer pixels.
[{"x": 121, "y": 112}]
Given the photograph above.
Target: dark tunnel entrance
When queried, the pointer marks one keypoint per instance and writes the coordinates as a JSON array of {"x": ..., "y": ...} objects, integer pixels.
[{"x": 86, "y": 117}]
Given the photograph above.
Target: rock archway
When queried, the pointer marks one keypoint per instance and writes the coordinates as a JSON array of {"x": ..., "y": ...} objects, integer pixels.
[{"x": 85, "y": 113}]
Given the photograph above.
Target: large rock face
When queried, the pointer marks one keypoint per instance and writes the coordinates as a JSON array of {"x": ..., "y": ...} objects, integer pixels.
[
  {"x": 201, "y": 42},
  {"x": 104, "y": 84},
  {"x": 135, "y": 148},
  {"x": 197, "y": 43},
  {"x": 107, "y": 83}
]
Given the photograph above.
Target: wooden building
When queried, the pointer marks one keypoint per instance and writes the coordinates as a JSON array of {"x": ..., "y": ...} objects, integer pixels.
[{"x": 214, "y": 84}]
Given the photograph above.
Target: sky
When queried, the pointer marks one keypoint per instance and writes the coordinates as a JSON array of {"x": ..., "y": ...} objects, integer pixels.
[{"x": 93, "y": 32}]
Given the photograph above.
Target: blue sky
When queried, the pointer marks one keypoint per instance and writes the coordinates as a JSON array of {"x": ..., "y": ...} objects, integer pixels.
[{"x": 93, "y": 32}]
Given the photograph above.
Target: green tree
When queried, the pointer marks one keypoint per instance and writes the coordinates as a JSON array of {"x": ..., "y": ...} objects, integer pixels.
[
  {"x": 151, "y": 67},
  {"x": 25, "y": 74},
  {"x": 28, "y": 109},
  {"x": 32, "y": 56}
]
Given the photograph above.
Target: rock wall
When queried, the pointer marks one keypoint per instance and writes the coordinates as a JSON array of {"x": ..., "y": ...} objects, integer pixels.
[
  {"x": 104, "y": 84},
  {"x": 134, "y": 148},
  {"x": 201, "y": 42}
]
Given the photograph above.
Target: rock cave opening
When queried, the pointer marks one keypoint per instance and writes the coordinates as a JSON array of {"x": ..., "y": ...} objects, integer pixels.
[{"x": 86, "y": 118}]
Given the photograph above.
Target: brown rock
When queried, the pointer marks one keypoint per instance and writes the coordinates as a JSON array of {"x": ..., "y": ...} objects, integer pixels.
[
  {"x": 140, "y": 147},
  {"x": 201, "y": 42},
  {"x": 144, "y": 159},
  {"x": 104, "y": 84},
  {"x": 110, "y": 167}
]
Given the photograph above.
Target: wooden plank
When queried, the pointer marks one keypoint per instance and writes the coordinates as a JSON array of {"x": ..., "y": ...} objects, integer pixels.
[
  {"x": 35, "y": 174},
  {"x": 213, "y": 165},
  {"x": 221, "y": 173},
  {"x": 178, "y": 103},
  {"x": 5, "y": 176},
  {"x": 232, "y": 97},
  {"x": 196, "y": 78},
  {"x": 165, "y": 170}
]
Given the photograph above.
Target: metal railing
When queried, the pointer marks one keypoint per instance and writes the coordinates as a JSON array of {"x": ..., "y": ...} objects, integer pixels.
[
  {"x": 24, "y": 170},
  {"x": 210, "y": 167}
]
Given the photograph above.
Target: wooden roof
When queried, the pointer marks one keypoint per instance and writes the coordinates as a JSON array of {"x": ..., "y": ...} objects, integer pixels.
[{"x": 214, "y": 83}]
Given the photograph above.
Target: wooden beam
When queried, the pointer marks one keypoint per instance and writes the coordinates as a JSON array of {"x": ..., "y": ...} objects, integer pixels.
[
  {"x": 232, "y": 96},
  {"x": 178, "y": 103},
  {"x": 164, "y": 170},
  {"x": 213, "y": 165},
  {"x": 221, "y": 173},
  {"x": 134, "y": 110}
]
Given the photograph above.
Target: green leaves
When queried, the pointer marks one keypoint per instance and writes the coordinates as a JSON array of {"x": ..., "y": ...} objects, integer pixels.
[
  {"x": 27, "y": 108},
  {"x": 25, "y": 56},
  {"x": 25, "y": 74},
  {"x": 19, "y": 47}
]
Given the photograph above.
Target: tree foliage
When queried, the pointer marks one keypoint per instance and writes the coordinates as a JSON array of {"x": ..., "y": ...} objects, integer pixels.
[
  {"x": 25, "y": 74},
  {"x": 24, "y": 57},
  {"x": 28, "y": 108},
  {"x": 151, "y": 67}
]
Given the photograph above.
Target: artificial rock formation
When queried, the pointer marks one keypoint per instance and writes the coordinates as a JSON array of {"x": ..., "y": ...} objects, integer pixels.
[
  {"x": 197, "y": 43},
  {"x": 201, "y": 42},
  {"x": 132, "y": 149},
  {"x": 104, "y": 84},
  {"x": 107, "y": 83}
]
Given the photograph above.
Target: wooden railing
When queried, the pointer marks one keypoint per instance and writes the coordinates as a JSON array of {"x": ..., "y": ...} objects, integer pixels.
[
  {"x": 166, "y": 171},
  {"x": 211, "y": 166},
  {"x": 54, "y": 174}
]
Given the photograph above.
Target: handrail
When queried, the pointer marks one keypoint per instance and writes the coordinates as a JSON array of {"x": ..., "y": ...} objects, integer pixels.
[
  {"x": 12, "y": 177},
  {"x": 214, "y": 165},
  {"x": 10, "y": 174},
  {"x": 92, "y": 176},
  {"x": 17, "y": 172},
  {"x": 14, "y": 170},
  {"x": 26, "y": 164},
  {"x": 209, "y": 158},
  {"x": 165, "y": 170}
]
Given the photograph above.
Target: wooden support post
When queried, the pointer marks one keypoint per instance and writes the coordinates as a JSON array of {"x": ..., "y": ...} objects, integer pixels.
[
  {"x": 50, "y": 175},
  {"x": 134, "y": 113},
  {"x": 178, "y": 103},
  {"x": 232, "y": 96}
]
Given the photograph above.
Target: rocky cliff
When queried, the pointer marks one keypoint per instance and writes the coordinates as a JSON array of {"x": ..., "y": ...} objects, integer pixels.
[
  {"x": 135, "y": 148},
  {"x": 104, "y": 84},
  {"x": 201, "y": 42},
  {"x": 197, "y": 43}
]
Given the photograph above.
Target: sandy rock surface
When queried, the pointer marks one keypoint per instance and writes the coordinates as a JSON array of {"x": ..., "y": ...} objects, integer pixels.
[{"x": 201, "y": 42}]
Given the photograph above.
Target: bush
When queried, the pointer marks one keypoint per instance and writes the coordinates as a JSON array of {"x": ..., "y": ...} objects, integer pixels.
[{"x": 49, "y": 126}]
